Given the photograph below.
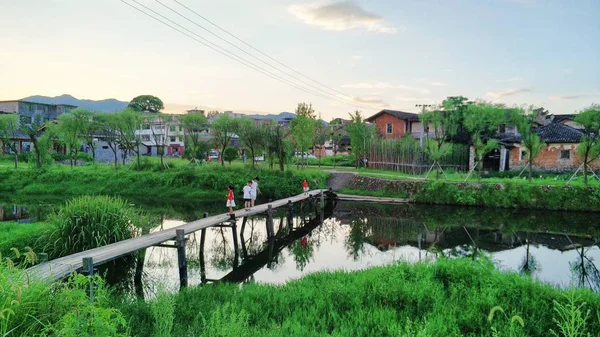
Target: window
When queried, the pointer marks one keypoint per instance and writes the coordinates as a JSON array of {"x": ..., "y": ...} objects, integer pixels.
[
  {"x": 565, "y": 154},
  {"x": 389, "y": 128},
  {"x": 172, "y": 128},
  {"x": 145, "y": 138},
  {"x": 180, "y": 129},
  {"x": 523, "y": 154},
  {"x": 173, "y": 139},
  {"x": 105, "y": 147},
  {"x": 146, "y": 126}
]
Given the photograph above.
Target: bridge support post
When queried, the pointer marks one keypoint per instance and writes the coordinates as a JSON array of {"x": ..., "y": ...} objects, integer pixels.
[
  {"x": 290, "y": 214},
  {"x": 183, "y": 274},
  {"x": 236, "y": 249},
  {"x": 201, "y": 253},
  {"x": 270, "y": 228},
  {"x": 88, "y": 269}
]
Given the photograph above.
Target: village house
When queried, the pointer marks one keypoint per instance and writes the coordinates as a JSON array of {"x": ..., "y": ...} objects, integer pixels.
[
  {"x": 394, "y": 124},
  {"x": 28, "y": 113}
]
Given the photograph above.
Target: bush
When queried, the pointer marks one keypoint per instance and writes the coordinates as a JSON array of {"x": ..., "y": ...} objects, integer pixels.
[
  {"x": 230, "y": 154},
  {"x": 86, "y": 157},
  {"x": 91, "y": 221},
  {"x": 57, "y": 156},
  {"x": 24, "y": 157}
]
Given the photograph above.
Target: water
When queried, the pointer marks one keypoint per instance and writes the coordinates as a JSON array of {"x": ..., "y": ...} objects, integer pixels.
[{"x": 554, "y": 247}]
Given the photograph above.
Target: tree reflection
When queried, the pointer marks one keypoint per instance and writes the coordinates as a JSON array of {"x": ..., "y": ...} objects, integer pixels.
[
  {"x": 222, "y": 253},
  {"x": 355, "y": 242},
  {"x": 529, "y": 265},
  {"x": 585, "y": 273},
  {"x": 303, "y": 251}
]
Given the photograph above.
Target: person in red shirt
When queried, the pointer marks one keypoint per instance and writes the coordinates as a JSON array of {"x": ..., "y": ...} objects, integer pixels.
[
  {"x": 230, "y": 201},
  {"x": 305, "y": 186}
]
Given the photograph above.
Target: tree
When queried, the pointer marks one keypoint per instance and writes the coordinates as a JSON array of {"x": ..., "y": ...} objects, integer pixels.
[
  {"x": 128, "y": 122},
  {"x": 526, "y": 123},
  {"x": 275, "y": 144},
  {"x": 303, "y": 127},
  {"x": 9, "y": 125},
  {"x": 69, "y": 129},
  {"x": 252, "y": 136},
  {"x": 223, "y": 128},
  {"x": 90, "y": 127},
  {"x": 33, "y": 128},
  {"x": 194, "y": 123},
  {"x": 230, "y": 154},
  {"x": 359, "y": 132},
  {"x": 589, "y": 148},
  {"x": 320, "y": 136},
  {"x": 110, "y": 133},
  {"x": 146, "y": 103},
  {"x": 481, "y": 121},
  {"x": 159, "y": 126}
]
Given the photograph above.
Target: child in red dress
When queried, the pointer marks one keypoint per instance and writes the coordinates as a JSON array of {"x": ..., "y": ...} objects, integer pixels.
[
  {"x": 230, "y": 201},
  {"x": 305, "y": 186}
]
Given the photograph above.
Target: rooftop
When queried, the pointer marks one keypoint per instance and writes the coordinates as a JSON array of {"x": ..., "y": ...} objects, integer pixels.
[{"x": 410, "y": 116}]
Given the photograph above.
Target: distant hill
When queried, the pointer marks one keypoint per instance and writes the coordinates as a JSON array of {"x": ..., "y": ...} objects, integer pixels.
[{"x": 105, "y": 105}]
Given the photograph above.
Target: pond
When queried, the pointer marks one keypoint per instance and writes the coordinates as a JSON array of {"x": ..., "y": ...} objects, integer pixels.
[{"x": 554, "y": 247}]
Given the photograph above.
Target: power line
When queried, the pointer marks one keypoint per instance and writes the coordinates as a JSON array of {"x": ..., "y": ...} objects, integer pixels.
[
  {"x": 261, "y": 60},
  {"x": 257, "y": 50},
  {"x": 225, "y": 52}
]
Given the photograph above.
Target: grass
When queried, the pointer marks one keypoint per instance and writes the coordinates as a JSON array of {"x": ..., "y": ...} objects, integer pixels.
[
  {"x": 379, "y": 193},
  {"x": 19, "y": 236},
  {"x": 445, "y": 298}
]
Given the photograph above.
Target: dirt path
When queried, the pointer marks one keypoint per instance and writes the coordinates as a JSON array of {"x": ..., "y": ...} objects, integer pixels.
[{"x": 339, "y": 179}]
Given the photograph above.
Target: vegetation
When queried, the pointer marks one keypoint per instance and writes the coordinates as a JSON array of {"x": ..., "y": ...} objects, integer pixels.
[
  {"x": 302, "y": 129},
  {"x": 92, "y": 221},
  {"x": 589, "y": 148},
  {"x": 222, "y": 129},
  {"x": 445, "y": 298},
  {"x": 146, "y": 103},
  {"x": 15, "y": 237},
  {"x": 359, "y": 133},
  {"x": 9, "y": 125},
  {"x": 530, "y": 140},
  {"x": 206, "y": 182},
  {"x": 230, "y": 154},
  {"x": 252, "y": 137},
  {"x": 194, "y": 124}
]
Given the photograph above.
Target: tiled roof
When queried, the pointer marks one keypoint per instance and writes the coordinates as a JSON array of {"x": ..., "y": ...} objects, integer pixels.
[
  {"x": 551, "y": 133},
  {"x": 560, "y": 118},
  {"x": 559, "y": 133},
  {"x": 400, "y": 114}
]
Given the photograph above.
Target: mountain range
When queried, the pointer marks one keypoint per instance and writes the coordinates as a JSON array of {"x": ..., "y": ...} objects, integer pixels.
[{"x": 105, "y": 105}]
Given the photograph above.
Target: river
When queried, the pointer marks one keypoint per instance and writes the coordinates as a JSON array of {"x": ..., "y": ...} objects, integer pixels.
[{"x": 553, "y": 247}]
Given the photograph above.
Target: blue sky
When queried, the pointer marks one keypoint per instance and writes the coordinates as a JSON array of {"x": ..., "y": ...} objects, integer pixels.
[{"x": 380, "y": 54}]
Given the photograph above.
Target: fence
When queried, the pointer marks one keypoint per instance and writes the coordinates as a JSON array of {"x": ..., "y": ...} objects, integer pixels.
[{"x": 407, "y": 155}]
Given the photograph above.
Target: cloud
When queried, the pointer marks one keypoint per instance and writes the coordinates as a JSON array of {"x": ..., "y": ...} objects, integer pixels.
[
  {"x": 406, "y": 99},
  {"x": 374, "y": 100},
  {"x": 506, "y": 92},
  {"x": 383, "y": 85},
  {"x": 565, "y": 97},
  {"x": 341, "y": 16},
  {"x": 437, "y": 84},
  {"x": 447, "y": 70},
  {"x": 356, "y": 57},
  {"x": 508, "y": 80}
]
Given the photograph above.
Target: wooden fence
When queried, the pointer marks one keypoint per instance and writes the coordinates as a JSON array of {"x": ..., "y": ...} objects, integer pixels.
[{"x": 407, "y": 155}]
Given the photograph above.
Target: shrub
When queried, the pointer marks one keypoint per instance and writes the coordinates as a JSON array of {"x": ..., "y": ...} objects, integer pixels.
[
  {"x": 91, "y": 221},
  {"x": 57, "y": 156},
  {"x": 230, "y": 154},
  {"x": 86, "y": 157}
]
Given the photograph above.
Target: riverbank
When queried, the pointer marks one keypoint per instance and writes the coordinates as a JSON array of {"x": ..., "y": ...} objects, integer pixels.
[
  {"x": 504, "y": 195},
  {"x": 177, "y": 183},
  {"x": 445, "y": 298}
]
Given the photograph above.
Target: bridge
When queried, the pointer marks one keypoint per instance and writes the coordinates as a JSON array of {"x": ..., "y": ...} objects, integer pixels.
[{"x": 85, "y": 261}]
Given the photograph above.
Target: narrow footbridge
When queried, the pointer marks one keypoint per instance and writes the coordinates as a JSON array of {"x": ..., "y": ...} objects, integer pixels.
[{"x": 85, "y": 261}]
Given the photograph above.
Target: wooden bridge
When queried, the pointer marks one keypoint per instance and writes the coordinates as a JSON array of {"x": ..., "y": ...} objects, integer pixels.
[{"x": 85, "y": 261}]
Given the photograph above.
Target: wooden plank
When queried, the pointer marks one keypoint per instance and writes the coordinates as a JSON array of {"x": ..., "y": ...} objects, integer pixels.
[{"x": 59, "y": 268}]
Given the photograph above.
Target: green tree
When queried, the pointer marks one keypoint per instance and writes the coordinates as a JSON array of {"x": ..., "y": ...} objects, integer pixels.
[
  {"x": 320, "y": 136},
  {"x": 146, "y": 103},
  {"x": 302, "y": 129},
  {"x": 275, "y": 144},
  {"x": 90, "y": 127},
  {"x": 33, "y": 128},
  {"x": 110, "y": 125},
  {"x": 589, "y": 148},
  {"x": 128, "y": 122},
  {"x": 360, "y": 134},
  {"x": 9, "y": 125},
  {"x": 481, "y": 121},
  {"x": 526, "y": 124},
  {"x": 69, "y": 129},
  {"x": 159, "y": 126},
  {"x": 194, "y": 124},
  {"x": 252, "y": 136},
  {"x": 223, "y": 128},
  {"x": 230, "y": 154}
]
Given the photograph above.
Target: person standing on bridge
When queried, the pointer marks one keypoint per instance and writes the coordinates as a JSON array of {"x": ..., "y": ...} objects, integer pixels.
[
  {"x": 255, "y": 190},
  {"x": 248, "y": 195},
  {"x": 230, "y": 201},
  {"x": 305, "y": 186}
]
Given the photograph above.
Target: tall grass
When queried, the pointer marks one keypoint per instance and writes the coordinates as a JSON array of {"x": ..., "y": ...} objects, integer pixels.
[
  {"x": 445, "y": 298},
  {"x": 91, "y": 221}
]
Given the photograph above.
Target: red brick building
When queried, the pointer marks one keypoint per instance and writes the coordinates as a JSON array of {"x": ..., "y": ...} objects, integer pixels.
[{"x": 393, "y": 124}]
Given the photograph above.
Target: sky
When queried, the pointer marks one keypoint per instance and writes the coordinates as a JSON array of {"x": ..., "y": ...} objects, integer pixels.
[{"x": 369, "y": 54}]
